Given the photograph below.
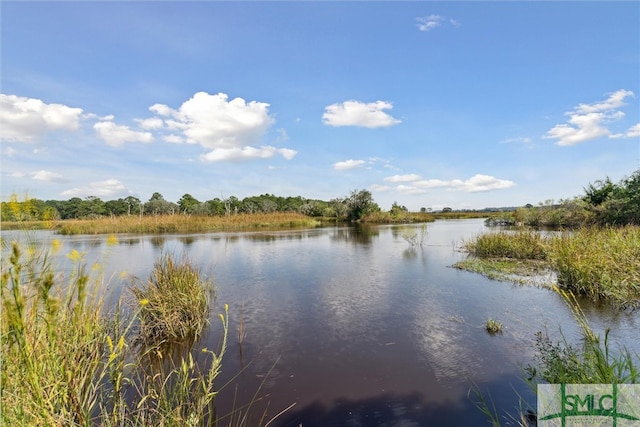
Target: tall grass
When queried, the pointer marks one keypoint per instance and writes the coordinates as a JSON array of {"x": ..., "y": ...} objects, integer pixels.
[
  {"x": 600, "y": 263},
  {"x": 173, "y": 301},
  {"x": 65, "y": 361},
  {"x": 518, "y": 245},
  {"x": 183, "y": 223}
]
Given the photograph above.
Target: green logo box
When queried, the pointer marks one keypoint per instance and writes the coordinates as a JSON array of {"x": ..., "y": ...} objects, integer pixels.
[{"x": 582, "y": 405}]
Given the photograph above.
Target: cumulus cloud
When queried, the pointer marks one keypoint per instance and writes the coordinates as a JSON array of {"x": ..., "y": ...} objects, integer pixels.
[
  {"x": 403, "y": 178},
  {"x": 107, "y": 188},
  {"x": 236, "y": 154},
  {"x": 475, "y": 184},
  {"x": 24, "y": 119},
  {"x": 356, "y": 113},
  {"x": 116, "y": 135},
  {"x": 588, "y": 121},
  {"x": 229, "y": 129},
  {"x": 149, "y": 124},
  {"x": 428, "y": 23},
  {"x": 348, "y": 165},
  {"x": 47, "y": 176}
]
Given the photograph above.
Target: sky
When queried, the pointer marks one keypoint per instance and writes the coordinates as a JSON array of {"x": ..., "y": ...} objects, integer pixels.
[{"x": 465, "y": 105}]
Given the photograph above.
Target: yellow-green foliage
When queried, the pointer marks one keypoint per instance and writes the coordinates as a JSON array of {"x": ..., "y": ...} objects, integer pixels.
[
  {"x": 53, "y": 341},
  {"x": 597, "y": 262},
  {"x": 174, "y": 302},
  {"x": 519, "y": 245},
  {"x": 183, "y": 223},
  {"x": 65, "y": 362},
  {"x": 600, "y": 263}
]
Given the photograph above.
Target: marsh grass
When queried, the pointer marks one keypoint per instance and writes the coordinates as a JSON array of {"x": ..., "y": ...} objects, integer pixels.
[
  {"x": 65, "y": 362},
  {"x": 493, "y": 326},
  {"x": 601, "y": 263},
  {"x": 184, "y": 223},
  {"x": 518, "y": 245},
  {"x": 173, "y": 301}
]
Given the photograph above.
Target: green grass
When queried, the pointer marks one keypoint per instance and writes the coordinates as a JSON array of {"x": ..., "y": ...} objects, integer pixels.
[
  {"x": 518, "y": 245},
  {"x": 493, "y": 326},
  {"x": 67, "y": 362},
  {"x": 173, "y": 301},
  {"x": 601, "y": 263}
]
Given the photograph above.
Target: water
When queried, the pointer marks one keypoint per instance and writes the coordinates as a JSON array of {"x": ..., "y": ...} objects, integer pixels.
[{"x": 355, "y": 327}]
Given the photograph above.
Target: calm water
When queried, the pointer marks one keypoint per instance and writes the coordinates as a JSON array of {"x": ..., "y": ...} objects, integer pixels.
[{"x": 356, "y": 328}]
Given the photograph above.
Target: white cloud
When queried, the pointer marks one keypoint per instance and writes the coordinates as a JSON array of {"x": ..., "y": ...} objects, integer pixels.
[
  {"x": 229, "y": 129},
  {"x": 633, "y": 132},
  {"x": 588, "y": 121},
  {"x": 214, "y": 122},
  {"x": 428, "y": 23},
  {"x": 47, "y": 176},
  {"x": 403, "y": 178},
  {"x": 149, "y": 124},
  {"x": 24, "y": 119},
  {"x": 380, "y": 188},
  {"x": 107, "y": 188},
  {"x": 116, "y": 135},
  {"x": 348, "y": 164},
  {"x": 356, "y": 113},
  {"x": 476, "y": 183},
  {"x": 615, "y": 100},
  {"x": 173, "y": 139},
  {"x": 246, "y": 153},
  {"x": 479, "y": 182}
]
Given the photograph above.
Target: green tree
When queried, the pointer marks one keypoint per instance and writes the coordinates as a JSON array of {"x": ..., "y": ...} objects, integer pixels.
[
  {"x": 360, "y": 204},
  {"x": 188, "y": 204}
]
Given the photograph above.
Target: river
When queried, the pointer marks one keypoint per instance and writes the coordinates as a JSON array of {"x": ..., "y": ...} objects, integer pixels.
[{"x": 355, "y": 326}]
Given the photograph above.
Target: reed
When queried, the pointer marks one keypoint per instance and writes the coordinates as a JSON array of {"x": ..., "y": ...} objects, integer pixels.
[
  {"x": 602, "y": 263},
  {"x": 173, "y": 301},
  {"x": 518, "y": 245},
  {"x": 73, "y": 364},
  {"x": 183, "y": 223}
]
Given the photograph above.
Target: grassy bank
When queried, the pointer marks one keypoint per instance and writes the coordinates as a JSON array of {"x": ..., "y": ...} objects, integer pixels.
[
  {"x": 170, "y": 223},
  {"x": 601, "y": 263},
  {"x": 67, "y": 361}
]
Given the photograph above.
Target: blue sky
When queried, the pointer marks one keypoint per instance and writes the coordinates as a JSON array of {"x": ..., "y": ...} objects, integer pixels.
[{"x": 430, "y": 104}]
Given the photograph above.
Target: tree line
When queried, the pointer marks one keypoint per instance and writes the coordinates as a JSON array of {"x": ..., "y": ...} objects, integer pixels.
[{"x": 352, "y": 207}]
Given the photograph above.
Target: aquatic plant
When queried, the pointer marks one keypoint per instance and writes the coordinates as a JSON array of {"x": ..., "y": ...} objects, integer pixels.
[
  {"x": 519, "y": 245},
  {"x": 174, "y": 302},
  {"x": 493, "y": 326}
]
